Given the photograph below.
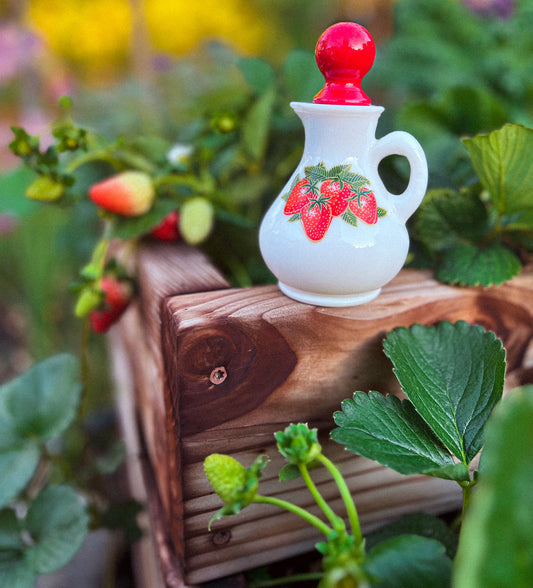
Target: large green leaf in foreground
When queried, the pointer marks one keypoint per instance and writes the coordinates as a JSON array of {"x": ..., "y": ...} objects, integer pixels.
[
  {"x": 496, "y": 545},
  {"x": 391, "y": 432},
  {"x": 453, "y": 374}
]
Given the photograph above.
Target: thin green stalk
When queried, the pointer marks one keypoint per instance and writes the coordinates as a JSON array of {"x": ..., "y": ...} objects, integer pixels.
[
  {"x": 346, "y": 496},
  {"x": 467, "y": 495},
  {"x": 84, "y": 367},
  {"x": 310, "y": 518},
  {"x": 333, "y": 518}
]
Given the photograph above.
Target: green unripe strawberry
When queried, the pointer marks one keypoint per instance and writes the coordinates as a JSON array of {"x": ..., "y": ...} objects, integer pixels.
[
  {"x": 226, "y": 475},
  {"x": 89, "y": 299},
  {"x": 196, "y": 220},
  {"x": 45, "y": 189}
]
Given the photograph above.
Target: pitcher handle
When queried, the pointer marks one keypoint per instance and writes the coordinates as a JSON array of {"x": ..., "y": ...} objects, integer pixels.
[{"x": 402, "y": 143}]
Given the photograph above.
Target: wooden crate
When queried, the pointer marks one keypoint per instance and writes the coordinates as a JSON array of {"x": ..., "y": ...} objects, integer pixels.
[{"x": 220, "y": 369}]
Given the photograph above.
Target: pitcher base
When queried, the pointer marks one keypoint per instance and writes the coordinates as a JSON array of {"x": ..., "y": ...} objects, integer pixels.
[{"x": 318, "y": 299}]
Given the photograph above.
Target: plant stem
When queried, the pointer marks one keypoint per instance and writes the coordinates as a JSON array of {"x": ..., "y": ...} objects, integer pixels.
[
  {"x": 346, "y": 496},
  {"x": 310, "y": 518},
  {"x": 467, "y": 494},
  {"x": 327, "y": 510}
]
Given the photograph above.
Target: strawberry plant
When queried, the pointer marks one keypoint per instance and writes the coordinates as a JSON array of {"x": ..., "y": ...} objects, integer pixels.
[
  {"x": 453, "y": 376},
  {"x": 481, "y": 234}
]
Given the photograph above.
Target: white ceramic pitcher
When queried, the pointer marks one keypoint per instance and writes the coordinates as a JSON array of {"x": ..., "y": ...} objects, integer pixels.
[{"x": 335, "y": 235}]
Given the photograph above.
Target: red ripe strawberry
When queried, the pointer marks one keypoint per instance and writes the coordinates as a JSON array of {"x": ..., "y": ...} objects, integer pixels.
[
  {"x": 337, "y": 196},
  {"x": 316, "y": 219},
  {"x": 130, "y": 193},
  {"x": 167, "y": 229},
  {"x": 364, "y": 206},
  {"x": 117, "y": 296},
  {"x": 298, "y": 198}
]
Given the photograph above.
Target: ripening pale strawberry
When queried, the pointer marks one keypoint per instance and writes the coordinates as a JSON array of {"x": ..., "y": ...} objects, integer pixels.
[
  {"x": 196, "y": 220},
  {"x": 130, "y": 193},
  {"x": 117, "y": 296},
  {"x": 167, "y": 229}
]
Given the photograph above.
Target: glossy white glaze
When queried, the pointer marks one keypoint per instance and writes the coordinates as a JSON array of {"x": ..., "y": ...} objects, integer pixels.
[{"x": 350, "y": 264}]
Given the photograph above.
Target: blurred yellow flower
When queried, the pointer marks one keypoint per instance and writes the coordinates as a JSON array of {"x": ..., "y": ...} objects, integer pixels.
[
  {"x": 97, "y": 34},
  {"x": 86, "y": 32},
  {"x": 178, "y": 26}
]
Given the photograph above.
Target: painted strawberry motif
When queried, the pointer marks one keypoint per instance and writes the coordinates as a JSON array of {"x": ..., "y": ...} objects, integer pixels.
[
  {"x": 316, "y": 219},
  {"x": 326, "y": 193},
  {"x": 130, "y": 193},
  {"x": 167, "y": 229},
  {"x": 363, "y": 204},
  {"x": 117, "y": 295},
  {"x": 299, "y": 197},
  {"x": 337, "y": 194}
]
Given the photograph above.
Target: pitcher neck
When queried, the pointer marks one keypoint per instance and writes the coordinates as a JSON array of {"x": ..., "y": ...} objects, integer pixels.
[{"x": 337, "y": 131}]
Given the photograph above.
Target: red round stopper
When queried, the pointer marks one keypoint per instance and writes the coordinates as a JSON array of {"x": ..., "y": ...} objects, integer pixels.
[{"x": 344, "y": 54}]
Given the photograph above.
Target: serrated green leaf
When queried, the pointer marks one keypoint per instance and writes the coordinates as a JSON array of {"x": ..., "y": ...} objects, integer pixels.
[
  {"x": 339, "y": 171},
  {"x": 355, "y": 180},
  {"x": 258, "y": 73},
  {"x": 349, "y": 217},
  {"x": 423, "y": 524},
  {"x": 391, "y": 432},
  {"x": 301, "y": 77},
  {"x": 295, "y": 217},
  {"x": 496, "y": 544},
  {"x": 257, "y": 125},
  {"x": 125, "y": 228},
  {"x": 58, "y": 523},
  {"x": 468, "y": 265},
  {"x": 409, "y": 561},
  {"x": 448, "y": 218},
  {"x": 381, "y": 212},
  {"x": 40, "y": 403},
  {"x": 453, "y": 374},
  {"x": 502, "y": 160},
  {"x": 17, "y": 466},
  {"x": 316, "y": 173}
]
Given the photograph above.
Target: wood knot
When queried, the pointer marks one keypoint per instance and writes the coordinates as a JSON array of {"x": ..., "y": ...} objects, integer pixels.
[
  {"x": 218, "y": 375},
  {"x": 221, "y": 537}
]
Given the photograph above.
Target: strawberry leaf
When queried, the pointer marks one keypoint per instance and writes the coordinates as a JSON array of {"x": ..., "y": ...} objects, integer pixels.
[
  {"x": 468, "y": 265},
  {"x": 381, "y": 212},
  {"x": 391, "y": 432},
  {"x": 57, "y": 522},
  {"x": 17, "y": 465},
  {"x": 502, "y": 160},
  {"x": 316, "y": 173},
  {"x": 349, "y": 217},
  {"x": 453, "y": 374},
  {"x": 339, "y": 171},
  {"x": 497, "y": 533},
  {"x": 355, "y": 180},
  {"x": 41, "y": 403},
  {"x": 295, "y": 217},
  {"x": 409, "y": 560},
  {"x": 448, "y": 218}
]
